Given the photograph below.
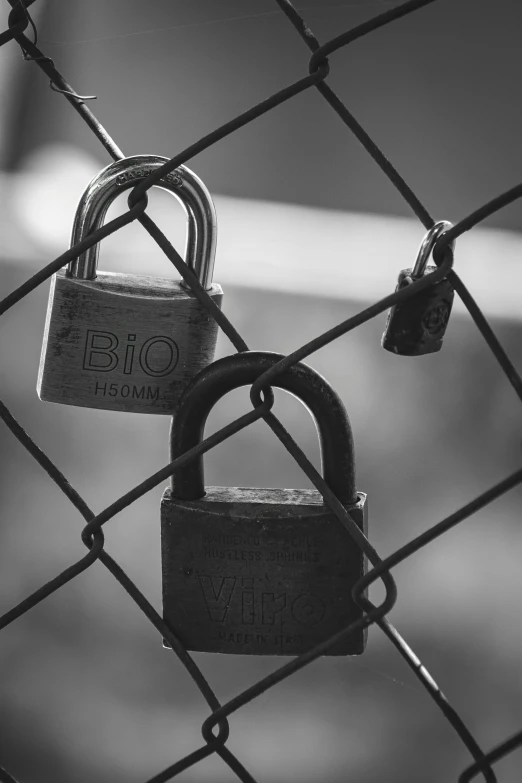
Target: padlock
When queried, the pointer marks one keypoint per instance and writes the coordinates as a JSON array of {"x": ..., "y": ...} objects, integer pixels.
[
  {"x": 417, "y": 326},
  {"x": 127, "y": 342},
  {"x": 261, "y": 571}
]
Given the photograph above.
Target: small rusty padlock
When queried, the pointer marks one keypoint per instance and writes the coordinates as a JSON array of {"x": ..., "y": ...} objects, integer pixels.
[
  {"x": 128, "y": 342},
  {"x": 261, "y": 571},
  {"x": 417, "y": 326}
]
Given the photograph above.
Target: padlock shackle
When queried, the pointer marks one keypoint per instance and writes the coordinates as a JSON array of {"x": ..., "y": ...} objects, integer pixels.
[
  {"x": 125, "y": 174},
  {"x": 427, "y": 245},
  {"x": 242, "y": 369}
]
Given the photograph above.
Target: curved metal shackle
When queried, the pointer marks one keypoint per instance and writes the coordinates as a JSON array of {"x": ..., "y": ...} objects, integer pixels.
[
  {"x": 427, "y": 245},
  {"x": 242, "y": 369},
  {"x": 125, "y": 174}
]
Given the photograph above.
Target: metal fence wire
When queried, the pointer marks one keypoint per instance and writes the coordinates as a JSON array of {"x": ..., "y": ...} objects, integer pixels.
[{"x": 215, "y": 728}]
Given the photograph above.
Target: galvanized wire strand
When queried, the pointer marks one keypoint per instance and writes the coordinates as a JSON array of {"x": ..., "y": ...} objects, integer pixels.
[
  {"x": 496, "y": 754},
  {"x": 76, "y": 101},
  {"x": 347, "y": 117},
  {"x": 92, "y": 532},
  {"x": 476, "y": 217},
  {"x": 437, "y": 530},
  {"x": 20, "y": 7},
  {"x": 5, "y": 777},
  {"x": 183, "y": 764},
  {"x": 188, "y": 761},
  {"x": 242, "y": 773},
  {"x": 191, "y": 279},
  {"x": 487, "y": 333},
  {"x": 363, "y": 29},
  {"x": 61, "y": 481},
  {"x": 43, "y": 460},
  {"x": 12, "y": 32},
  {"x": 54, "y": 584},
  {"x": 414, "y": 546},
  {"x": 228, "y": 128},
  {"x": 371, "y": 147},
  {"x": 92, "y": 239},
  {"x": 449, "y": 712},
  {"x": 19, "y": 20}
]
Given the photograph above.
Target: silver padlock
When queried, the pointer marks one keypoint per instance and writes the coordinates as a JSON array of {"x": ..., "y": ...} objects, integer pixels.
[{"x": 127, "y": 342}]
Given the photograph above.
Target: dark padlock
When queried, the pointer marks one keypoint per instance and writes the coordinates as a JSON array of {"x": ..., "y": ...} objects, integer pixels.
[
  {"x": 128, "y": 342},
  {"x": 417, "y": 326},
  {"x": 261, "y": 571}
]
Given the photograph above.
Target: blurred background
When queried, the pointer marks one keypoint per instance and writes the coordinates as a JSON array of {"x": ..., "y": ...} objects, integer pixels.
[{"x": 309, "y": 233}]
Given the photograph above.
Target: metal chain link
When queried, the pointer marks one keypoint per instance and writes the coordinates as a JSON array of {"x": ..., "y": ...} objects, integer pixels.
[{"x": 262, "y": 397}]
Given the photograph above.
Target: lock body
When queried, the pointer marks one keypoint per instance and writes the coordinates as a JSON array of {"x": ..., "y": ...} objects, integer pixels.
[
  {"x": 260, "y": 571},
  {"x": 123, "y": 342},
  {"x": 417, "y": 326}
]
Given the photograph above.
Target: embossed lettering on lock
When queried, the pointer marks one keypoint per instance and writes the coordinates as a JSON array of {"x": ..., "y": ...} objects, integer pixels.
[
  {"x": 417, "y": 326},
  {"x": 261, "y": 571},
  {"x": 130, "y": 342}
]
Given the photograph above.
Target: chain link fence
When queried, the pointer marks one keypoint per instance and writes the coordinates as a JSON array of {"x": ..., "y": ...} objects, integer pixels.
[{"x": 215, "y": 729}]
